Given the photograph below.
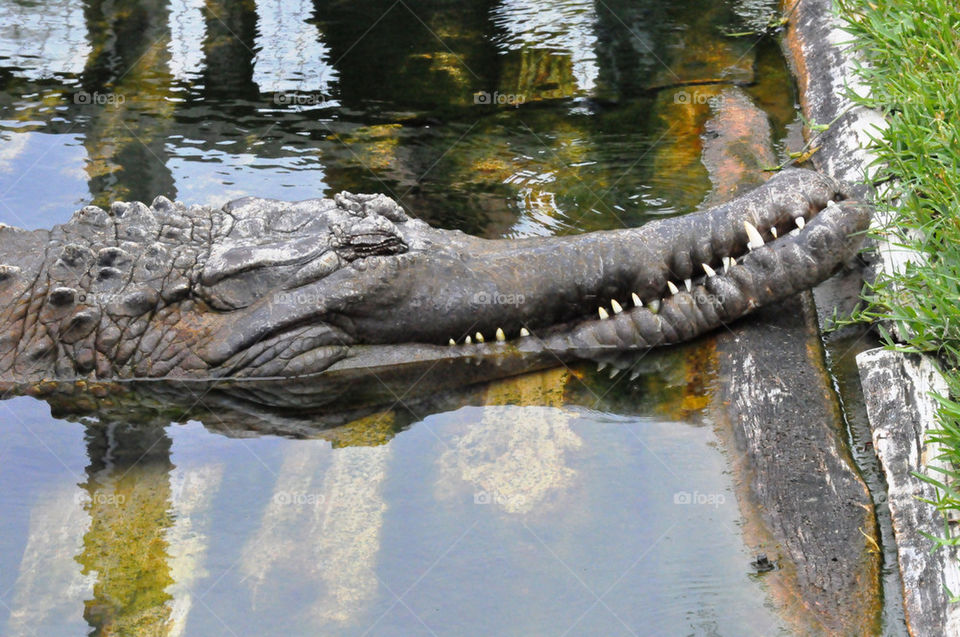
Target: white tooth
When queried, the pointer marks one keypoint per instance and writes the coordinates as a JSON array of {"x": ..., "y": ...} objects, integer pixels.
[
  {"x": 689, "y": 284},
  {"x": 654, "y": 306},
  {"x": 634, "y": 374},
  {"x": 479, "y": 337},
  {"x": 708, "y": 270},
  {"x": 603, "y": 313},
  {"x": 773, "y": 231},
  {"x": 614, "y": 372},
  {"x": 524, "y": 332},
  {"x": 617, "y": 308},
  {"x": 673, "y": 289},
  {"x": 500, "y": 335},
  {"x": 468, "y": 340},
  {"x": 801, "y": 222},
  {"x": 452, "y": 342},
  {"x": 601, "y": 366},
  {"x": 727, "y": 264},
  {"x": 754, "y": 240},
  {"x": 636, "y": 300}
]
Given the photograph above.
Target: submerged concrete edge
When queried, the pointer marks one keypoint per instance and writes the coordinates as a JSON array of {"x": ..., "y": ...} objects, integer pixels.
[{"x": 896, "y": 386}]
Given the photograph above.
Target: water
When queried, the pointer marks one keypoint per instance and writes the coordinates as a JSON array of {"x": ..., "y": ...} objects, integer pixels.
[{"x": 564, "y": 502}]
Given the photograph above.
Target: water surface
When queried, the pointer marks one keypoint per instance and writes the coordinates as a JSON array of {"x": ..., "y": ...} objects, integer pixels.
[{"x": 564, "y": 502}]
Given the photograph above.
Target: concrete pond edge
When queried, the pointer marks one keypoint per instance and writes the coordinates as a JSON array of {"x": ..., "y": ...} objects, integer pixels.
[{"x": 897, "y": 387}]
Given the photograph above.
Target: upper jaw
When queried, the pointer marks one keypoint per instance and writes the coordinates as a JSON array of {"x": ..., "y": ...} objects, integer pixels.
[{"x": 506, "y": 288}]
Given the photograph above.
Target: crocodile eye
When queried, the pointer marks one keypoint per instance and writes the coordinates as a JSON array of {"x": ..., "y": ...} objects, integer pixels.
[{"x": 372, "y": 236}]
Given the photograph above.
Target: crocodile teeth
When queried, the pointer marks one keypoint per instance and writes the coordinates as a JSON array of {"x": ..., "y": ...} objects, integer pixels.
[
  {"x": 773, "y": 231},
  {"x": 524, "y": 332},
  {"x": 689, "y": 284},
  {"x": 500, "y": 335},
  {"x": 754, "y": 240},
  {"x": 673, "y": 289},
  {"x": 636, "y": 300},
  {"x": 614, "y": 371},
  {"x": 654, "y": 306},
  {"x": 603, "y": 313},
  {"x": 801, "y": 222},
  {"x": 452, "y": 343},
  {"x": 479, "y": 337},
  {"x": 727, "y": 264},
  {"x": 708, "y": 270},
  {"x": 617, "y": 308},
  {"x": 468, "y": 340}
]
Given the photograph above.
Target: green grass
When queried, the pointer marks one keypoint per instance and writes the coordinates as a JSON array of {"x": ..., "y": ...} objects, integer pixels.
[{"x": 912, "y": 50}]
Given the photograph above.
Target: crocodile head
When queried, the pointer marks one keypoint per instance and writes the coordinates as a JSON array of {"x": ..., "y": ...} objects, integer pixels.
[{"x": 264, "y": 288}]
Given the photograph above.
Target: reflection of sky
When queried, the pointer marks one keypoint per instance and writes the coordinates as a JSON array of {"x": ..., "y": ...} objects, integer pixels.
[
  {"x": 212, "y": 177},
  {"x": 42, "y": 178},
  {"x": 290, "y": 54},
  {"x": 186, "y": 38},
  {"x": 562, "y": 25},
  {"x": 44, "y": 38}
]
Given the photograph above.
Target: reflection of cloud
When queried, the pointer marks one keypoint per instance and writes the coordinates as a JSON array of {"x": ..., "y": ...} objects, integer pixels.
[
  {"x": 10, "y": 149},
  {"x": 192, "y": 491},
  {"x": 515, "y": 457},
  {"x": 290, "y": 54},
  {"x": 322, "y": 527},
  {"x": 50, "y": 588},
  {"x": 562, "y": 25},
  {"x": 44, "y": 38}
]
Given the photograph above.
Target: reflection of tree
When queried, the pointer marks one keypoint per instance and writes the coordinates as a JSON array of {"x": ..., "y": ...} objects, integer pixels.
[
  {"x": 126, "y": 90},
  {"x": 228, "y": 49},
  {"x": 125, "y": 546}
]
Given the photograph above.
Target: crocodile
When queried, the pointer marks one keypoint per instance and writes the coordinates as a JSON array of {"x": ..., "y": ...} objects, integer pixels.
[{"x": 267, "y": 289}]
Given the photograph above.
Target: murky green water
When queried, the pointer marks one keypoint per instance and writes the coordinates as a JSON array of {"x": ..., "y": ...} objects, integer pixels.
[{"x": 565, "y": 502}]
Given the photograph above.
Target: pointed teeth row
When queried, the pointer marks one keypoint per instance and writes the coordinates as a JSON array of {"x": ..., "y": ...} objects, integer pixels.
[
  {"x": 728, "y": 262},
  {"x": 636, "y": 300},
  {"x": 754, "y": 240},
  {"x": 603, "y": 313},
  {"x": 500, "y": 335},
  {"x": 617, "y": 308},
  {"x": 708, "y": 270},
  {"x": 673, "y": 288}
]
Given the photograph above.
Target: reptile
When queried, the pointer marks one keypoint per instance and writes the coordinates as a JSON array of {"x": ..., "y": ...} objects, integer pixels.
[{"x": 261, "y": 288}]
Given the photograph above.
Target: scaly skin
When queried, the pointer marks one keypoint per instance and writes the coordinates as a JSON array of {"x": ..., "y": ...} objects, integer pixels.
[{"x": 263, "y": 288}]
